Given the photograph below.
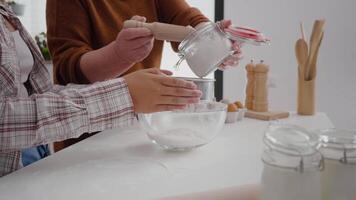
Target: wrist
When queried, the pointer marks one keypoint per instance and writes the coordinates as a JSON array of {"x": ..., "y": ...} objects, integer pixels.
[
  {"x": 111, "y": 66},
  {"x": 131, "y": 90},
  {"x": 123, "y": 61}
]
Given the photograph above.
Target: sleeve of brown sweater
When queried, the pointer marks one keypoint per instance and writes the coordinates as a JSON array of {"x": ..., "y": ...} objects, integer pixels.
[
  {"x": 68, "y": 31},
  {"x": 180, "y": 13}
]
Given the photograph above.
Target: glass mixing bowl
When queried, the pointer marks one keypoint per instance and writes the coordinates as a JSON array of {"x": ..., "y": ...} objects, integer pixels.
[{"x": 194, "y": 126}]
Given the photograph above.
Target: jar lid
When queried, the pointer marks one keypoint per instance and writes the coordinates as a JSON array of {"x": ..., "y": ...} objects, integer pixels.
[
  {"x": 292, "y": 147},
  {"x": 247, "y": 35},
  {"x": 291, "y": 140},
  {"x": 338, "y": 144},
  {"x": 338, "y": 138}
]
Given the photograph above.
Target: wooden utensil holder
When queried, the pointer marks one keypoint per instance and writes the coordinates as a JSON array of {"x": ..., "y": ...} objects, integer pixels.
[{"x": 306, "y": 95}]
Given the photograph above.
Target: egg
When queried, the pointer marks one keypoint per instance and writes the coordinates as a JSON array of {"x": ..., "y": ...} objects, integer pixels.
[
  {"x": 232, "y": 108},
  {"x": 239, "y": 104}
]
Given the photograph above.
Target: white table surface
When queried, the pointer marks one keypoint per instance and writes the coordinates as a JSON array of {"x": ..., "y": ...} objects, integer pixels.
[{"x": 124, "y": 164}]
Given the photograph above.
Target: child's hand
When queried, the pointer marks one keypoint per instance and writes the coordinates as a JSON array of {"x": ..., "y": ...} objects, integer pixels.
[{"x": 153, "y": 90}]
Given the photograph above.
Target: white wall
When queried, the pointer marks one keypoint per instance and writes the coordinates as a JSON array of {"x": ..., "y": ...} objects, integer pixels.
[
  {"x": 34, "y": 18},
  {"x": 336, "y": 79}
]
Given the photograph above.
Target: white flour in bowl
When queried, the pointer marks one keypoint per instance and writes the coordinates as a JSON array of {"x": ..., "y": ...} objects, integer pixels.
[
  {"x": 185, "y": 129},
  {"x": 180, "y": 138}
]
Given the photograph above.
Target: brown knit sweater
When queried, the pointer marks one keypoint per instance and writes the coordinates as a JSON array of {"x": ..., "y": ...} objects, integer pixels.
[{"x": 78, "y": 26}]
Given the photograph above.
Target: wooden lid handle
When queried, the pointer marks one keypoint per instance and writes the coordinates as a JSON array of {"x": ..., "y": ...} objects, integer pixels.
[
  {"x": 133, "y": 24},
  {"x": 162, "y": 31}
]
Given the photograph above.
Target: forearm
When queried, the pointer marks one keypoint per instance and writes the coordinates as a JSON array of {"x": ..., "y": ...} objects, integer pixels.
[
  {"x": 65, "y": 112},
  {"x": 103, "y": 64}
]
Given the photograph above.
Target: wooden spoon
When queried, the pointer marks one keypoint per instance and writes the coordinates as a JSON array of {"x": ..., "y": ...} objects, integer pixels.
[{"x": 301, "y": 52}]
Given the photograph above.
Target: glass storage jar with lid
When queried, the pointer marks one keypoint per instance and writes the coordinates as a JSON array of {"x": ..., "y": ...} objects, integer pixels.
[
  {"x": 338, "y": 180},
  {"x": 205, "y": 49},
  {"x": 292, "y": 164},
  {"x": 209, "y": 46}
]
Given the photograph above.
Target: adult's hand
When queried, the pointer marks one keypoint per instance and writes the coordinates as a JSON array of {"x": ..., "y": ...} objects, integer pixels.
[
  {"x": 134, "y": 44},
  {"x": 131, "y": 45},
  {"x": 234, "y": 59},
  {"x": 153, "y": 90}
]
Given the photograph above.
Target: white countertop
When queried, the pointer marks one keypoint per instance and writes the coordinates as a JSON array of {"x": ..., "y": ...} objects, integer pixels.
[{"x": 124, "y": 164}]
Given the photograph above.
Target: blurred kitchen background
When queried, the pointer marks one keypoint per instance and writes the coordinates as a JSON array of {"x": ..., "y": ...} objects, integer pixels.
[{"x": 279, "y": 19}]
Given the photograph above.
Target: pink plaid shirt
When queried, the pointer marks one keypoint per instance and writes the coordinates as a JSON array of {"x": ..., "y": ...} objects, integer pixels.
[{"x": 51, "y": 112}]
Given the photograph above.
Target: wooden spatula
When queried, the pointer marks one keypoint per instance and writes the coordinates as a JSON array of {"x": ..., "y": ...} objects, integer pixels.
[
  {"x": 318, "y": 29},
  {"x": 315, "y": 59}
]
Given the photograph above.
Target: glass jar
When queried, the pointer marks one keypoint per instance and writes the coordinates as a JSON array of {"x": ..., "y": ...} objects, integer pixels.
[
  {"x": 205, "y": 49},
  {"x": 292, "y": 164},
  {"x": 209, "y": 46},
  {"x": 338, "y": 180}
]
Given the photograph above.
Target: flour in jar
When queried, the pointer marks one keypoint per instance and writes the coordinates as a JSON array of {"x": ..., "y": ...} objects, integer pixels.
[
  {"x": 205, "y": 49},
  {"x": 288, "y": 184},
  {"x": 338, "y": 181},
  {"x": 210, "y": 53}
]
